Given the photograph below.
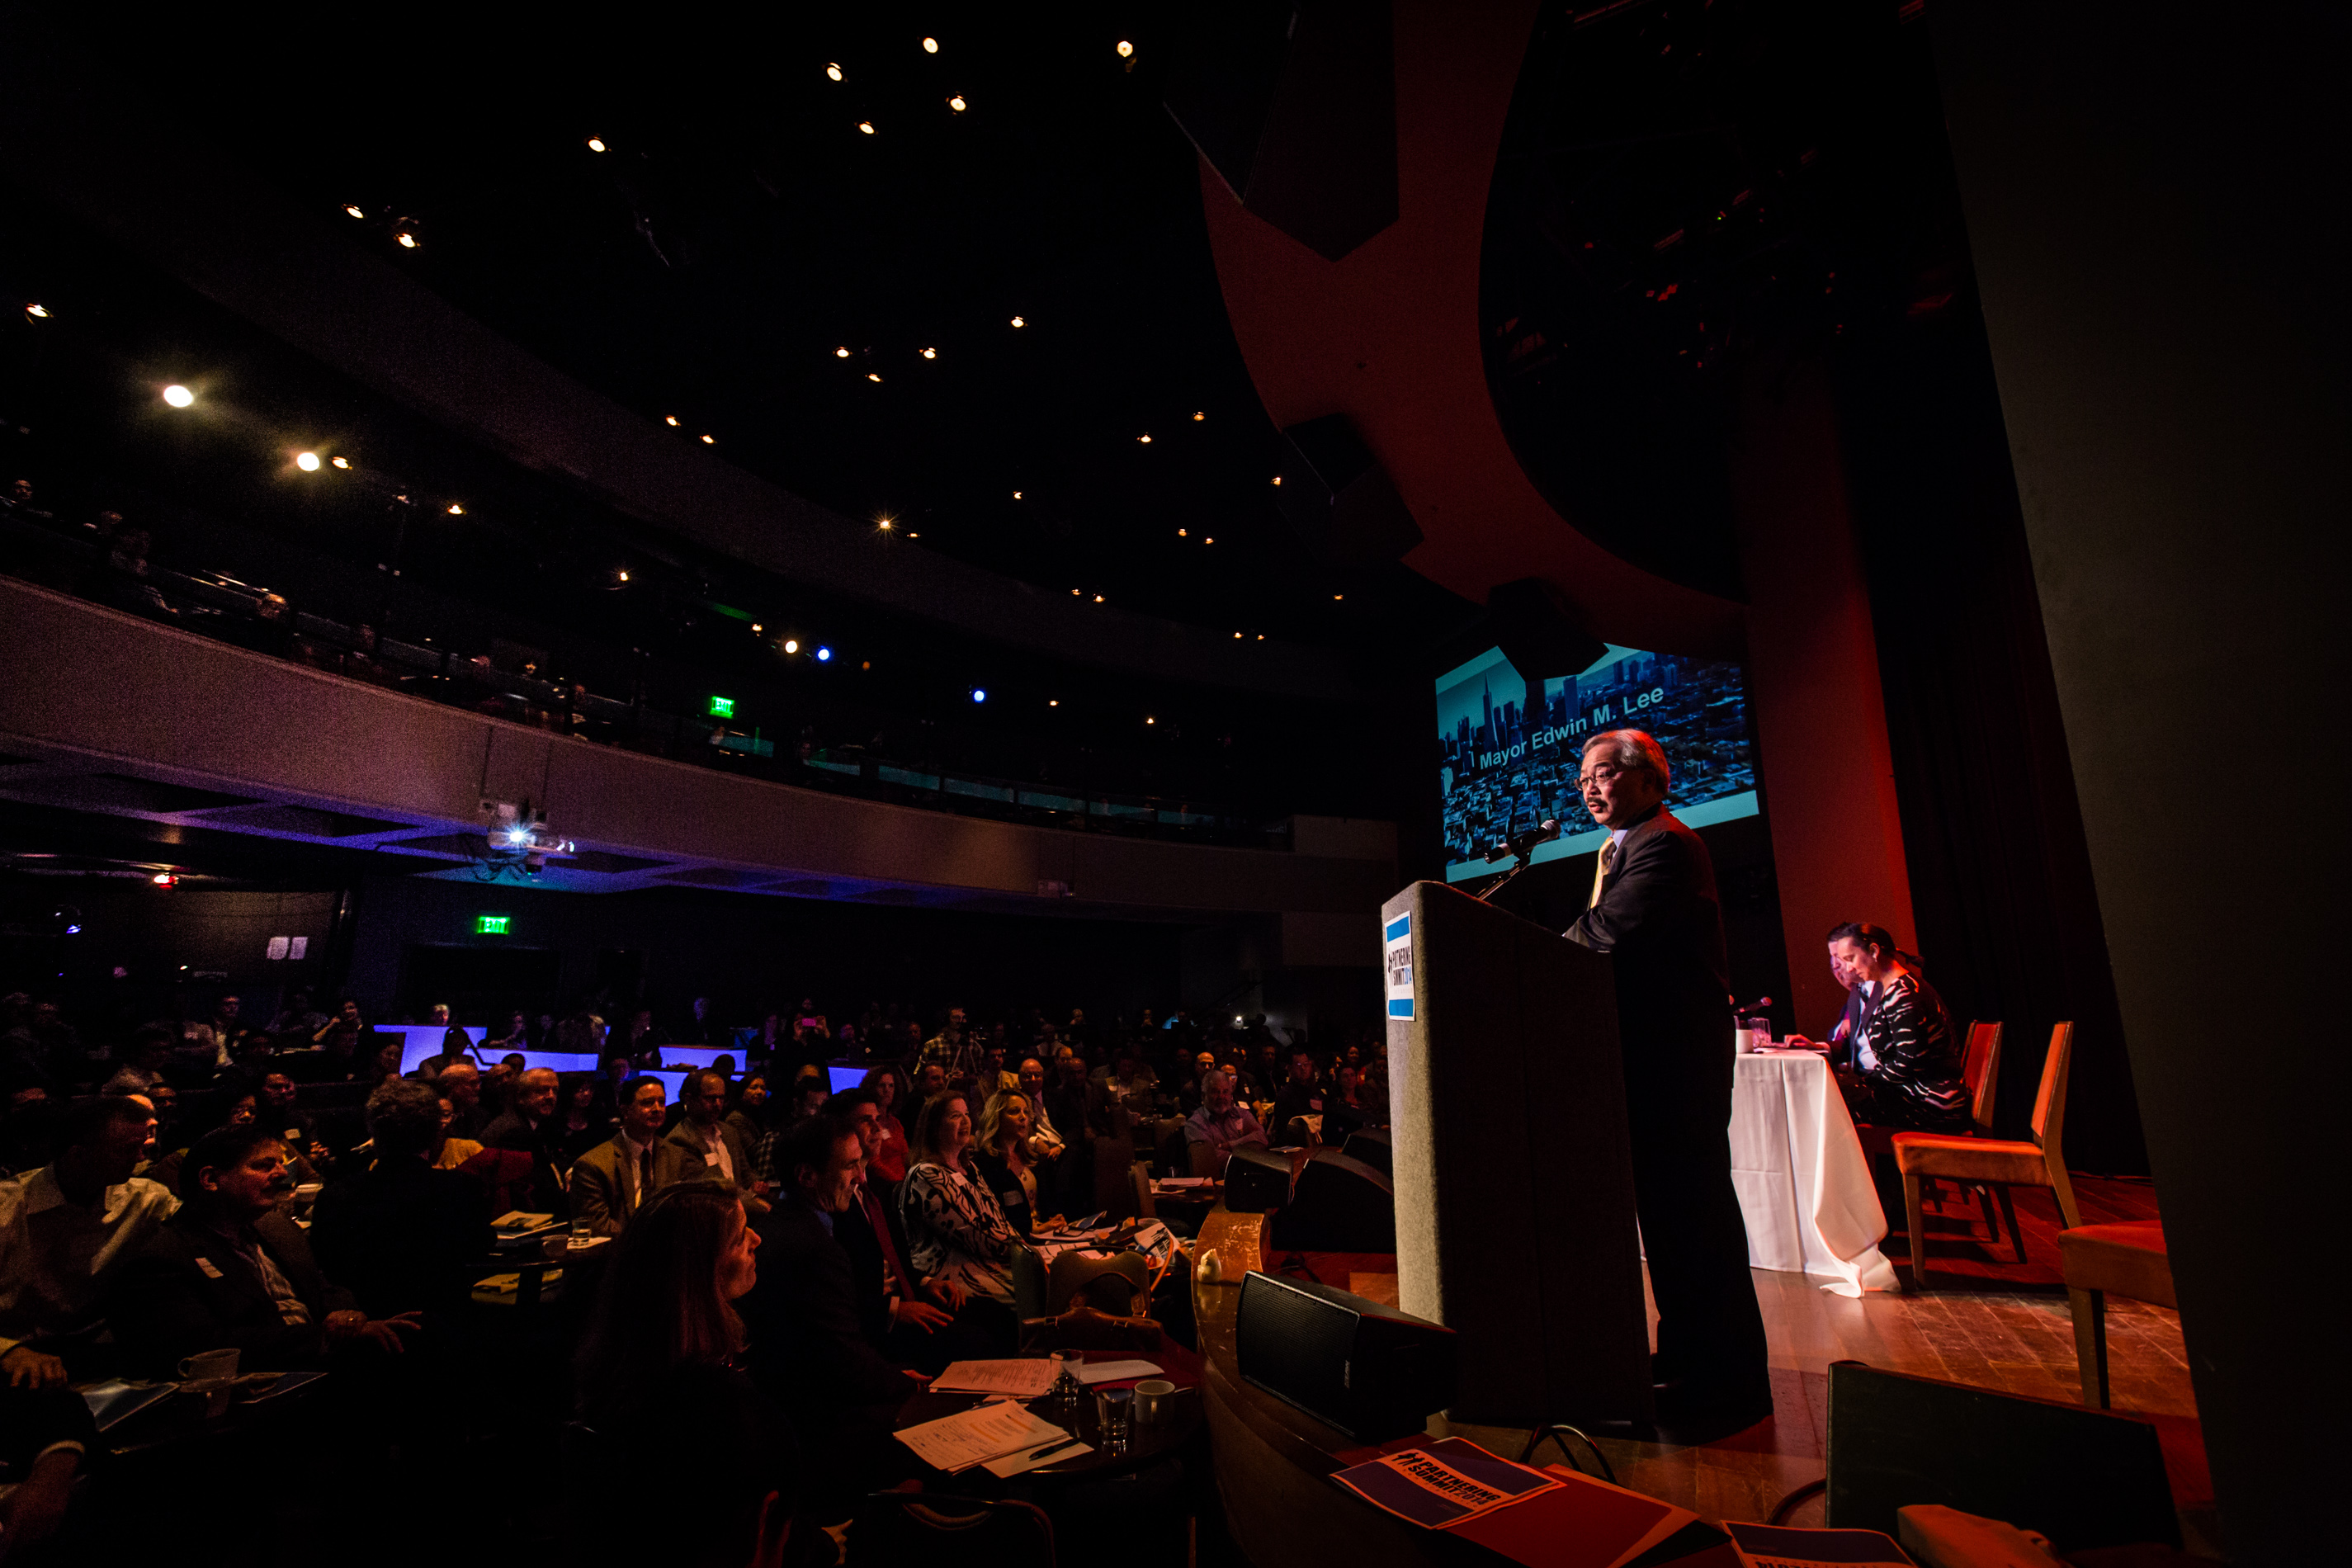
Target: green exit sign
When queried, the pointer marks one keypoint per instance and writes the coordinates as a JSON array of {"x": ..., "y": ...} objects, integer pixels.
[
  {"x": 491, "y": 925},
  {"x": 722, "y": 708}
]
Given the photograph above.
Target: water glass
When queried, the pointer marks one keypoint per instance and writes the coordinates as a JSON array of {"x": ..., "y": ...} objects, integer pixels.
[{"x": 1114, "y": 1415}]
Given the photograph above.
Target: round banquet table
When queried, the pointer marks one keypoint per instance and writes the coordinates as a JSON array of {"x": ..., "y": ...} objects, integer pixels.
[
  {"x": 1803, "y": 1181},
  {"x": 1152, "y": 1443}
]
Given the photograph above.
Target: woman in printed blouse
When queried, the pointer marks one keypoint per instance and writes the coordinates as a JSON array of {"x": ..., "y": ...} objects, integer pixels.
[
  {"x": 958, "y": 1241},
  {"x": 1907, "y": 1063}
]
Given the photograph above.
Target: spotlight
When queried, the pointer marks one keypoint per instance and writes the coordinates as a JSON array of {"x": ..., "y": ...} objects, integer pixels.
[
  {"x": 1198, "y": 417},
  {"x": 1180, "y": 534},
  {"x": 1098, "y": 598},
  {"x": 166, "y": 880},
  {"x": 791, "y": 645},
  {"x": 178, "y": 396},
  {"x": 407, "y": 240},
  {"x": 1150, "y": 719},
  {"x": 1237, "y": 636},
  {"x": 1336, "y": 597},
  {"x": 38, "y": 312},
  {"x": 930, "y": 46},
  {"x": 1075, "y": 592},
  {"x": 824, "y": 655},
  {"x": 340, "y": 462},
  {"x": 306, "y": 461},
  {"x": 1126, "y": 49},
  {"x": 670, "y": 419},
  {"x": 1277, "y": 479},
  {"x": 866, "y": 126},
  {"x": 957, "y": 103},
  {"x": 979, "y": 694},
  {"x": 755, "y": 626},
  {"x": 456, "y": 510},
  {"x": 872, "y": 376},
  {"x": 931, "y": 354},
  {"x": 833, "y": 71},
  {"x": 1016, "y": 495},
  {"x": 596, "y": 144},
  {"x": 625, "y": 576},
  {"x": 885, "y": 524},
  {"x": 354, "y": 210},
  {"x": 1020, "y": 321},
  {"x": 710, "y": 441},
  {"x": 1208, "y": 541},
  {"x": 1053, "y": 703},
  {"x": 1145, "y": 438},
  {"x": 838, "y": 353}
]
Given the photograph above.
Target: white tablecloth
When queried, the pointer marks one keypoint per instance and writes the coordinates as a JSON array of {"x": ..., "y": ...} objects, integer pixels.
[{"x": 1804, "y": 1184}]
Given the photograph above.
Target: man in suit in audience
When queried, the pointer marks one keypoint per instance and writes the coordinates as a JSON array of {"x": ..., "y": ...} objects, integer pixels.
[
  {"x": 612, "y": 1180},
  {"x": 527, "y": 1126},
  {"x": 715, "y": 1148},
  {"x": 810, "y": 1350},
  {"x": 231, "y": 1272},
  {"x": 1654, "y": 912}
]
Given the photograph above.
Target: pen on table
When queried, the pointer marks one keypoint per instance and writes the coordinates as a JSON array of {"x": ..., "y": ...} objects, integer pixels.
[{"x": 1038, "y": 1454}]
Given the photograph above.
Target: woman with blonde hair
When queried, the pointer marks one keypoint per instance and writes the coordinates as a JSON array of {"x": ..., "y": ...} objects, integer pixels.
[{"x": 1007, "y": 1155}]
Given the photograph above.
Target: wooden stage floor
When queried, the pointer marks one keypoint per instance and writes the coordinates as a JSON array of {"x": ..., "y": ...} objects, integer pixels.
[{"x": 1984, "y": 1320}]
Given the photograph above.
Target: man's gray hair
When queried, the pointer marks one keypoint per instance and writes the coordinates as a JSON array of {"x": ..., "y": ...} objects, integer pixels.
[
  {"x": 1631, "y": 749},
  {"x": 404, "y": 1116}
]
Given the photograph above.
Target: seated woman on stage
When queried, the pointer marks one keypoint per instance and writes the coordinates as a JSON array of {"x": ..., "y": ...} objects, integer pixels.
[
  {"x": 1006, "y": 1157},
  {"x": 1907, "y": 1064},
  {"x": 959, "y": 1242}
]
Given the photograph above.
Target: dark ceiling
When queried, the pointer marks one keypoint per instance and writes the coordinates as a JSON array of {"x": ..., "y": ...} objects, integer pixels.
[{"x": 740, "y": 231}]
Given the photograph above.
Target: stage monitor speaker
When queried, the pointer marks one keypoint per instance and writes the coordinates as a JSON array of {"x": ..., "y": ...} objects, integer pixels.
[
  {"x": 1371, "y": 1145},
  {"x": 2083, "y": 1478},
  {"x": 1293, "y": 104},
  {"x": 1257, "y": 1180},
  {"x": 1371, "y": 1371},
  {"x": 1337, "y": 1205},
  {"x": 1338, "y": 499},
  {"x": 1538, "y": 631}
]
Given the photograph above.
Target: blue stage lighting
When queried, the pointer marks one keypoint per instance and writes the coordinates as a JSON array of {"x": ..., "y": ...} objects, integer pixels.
[
  {"x": 825, "y": 654},
  {"x": 979, "y": 694}
]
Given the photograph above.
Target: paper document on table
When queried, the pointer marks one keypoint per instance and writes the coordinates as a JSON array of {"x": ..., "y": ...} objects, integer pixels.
[
  {"x": 114, "y": 1400},
  {"x": 1449, "y": 1481},
  {"x": 973, "y": 1437},
  {"x": 1025, "y": 1379},
  {"x": 1116, "y": 1371},
  {"x": 1777, "y": 1546}
]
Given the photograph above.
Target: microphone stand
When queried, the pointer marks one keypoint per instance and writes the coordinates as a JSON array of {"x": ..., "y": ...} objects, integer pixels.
[{"x": 1524, "y": 848}]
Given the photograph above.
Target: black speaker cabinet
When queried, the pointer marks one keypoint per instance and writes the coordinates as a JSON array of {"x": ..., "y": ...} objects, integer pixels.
[
  {"x": 1371, "y": 1371},
  {"x": 1257, "y": 1180},
  {"x": 2083, "y": 1478},
  {"x": 1371, "y": 1145},
  {"x": 1337, "y": 1205}
]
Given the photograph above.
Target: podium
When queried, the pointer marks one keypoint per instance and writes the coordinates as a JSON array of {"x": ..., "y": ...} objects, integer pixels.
[{"x": 1513, "y": 1167}]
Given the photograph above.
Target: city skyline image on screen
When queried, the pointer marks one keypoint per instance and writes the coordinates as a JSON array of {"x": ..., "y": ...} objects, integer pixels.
[{"x": 1507, "y": 755}]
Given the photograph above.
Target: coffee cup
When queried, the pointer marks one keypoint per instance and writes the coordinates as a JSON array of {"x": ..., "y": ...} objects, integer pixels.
[
  {"x": 209, "y": 1366},
  {"x": 1155, "y": 1400}
]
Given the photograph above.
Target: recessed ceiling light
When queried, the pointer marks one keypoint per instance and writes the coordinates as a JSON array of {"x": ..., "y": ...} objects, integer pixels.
[
  {"x": 596, "y": 144},
  {"x": 38, "y": 312},
  {"x": 1145, "y": 438},
  {"x": 625, "y": 576},
  {"x": 306, "y": 461},
  {"x": 872, "y": 376},
  {"x": 1277, "y": 479},
  {"x": 1237, "y": 636},
  {"x": 340, "y": 462},
  {"x": 1261, "y": 636},
  {"x": 456, "y": 510},
  {"x": 1098, "y": 598},
  {"x": 1053, "y": 703},
  {"x": 1198, "y": 417},
  {"x": 178, "y": 396},
  {"x": 1126, "y": 49},
  {"x": 1075, "y": 592},
  {"x": 354, "y": 210},
  {"x": 958, "y": 104},
  {"x": 791, "y": 645},
  {"x": 670, "y": 419},
  {"x": 930, "y": 46},
  {"x": 931, "y": 354},
  {"x": 866, "y": 126},
  {"x": 841, "y": 352},
  {"x": 407, "y": 240},
  {"x": 886, "y": 525},
  {"x": 1020, "y": 321},
  {"x": 1016, "y": 496},
  {"x": 710, "y": 441},
  {"x": 1336, "y": 597},
  {"x": 755, "y": 626},
  {"x": 1208, "y": 541},
  {"x": 833, "y": 71},
  {"x": 1180, "y": 534}
]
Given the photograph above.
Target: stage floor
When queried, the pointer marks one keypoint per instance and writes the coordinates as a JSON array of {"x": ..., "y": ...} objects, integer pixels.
[{"x": 1985, "y": 1321}]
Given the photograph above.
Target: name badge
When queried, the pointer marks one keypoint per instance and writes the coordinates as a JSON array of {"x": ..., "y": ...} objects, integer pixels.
[
  {"x": 711, "y": 1159},
  {"x": 206, "y": 1264}
]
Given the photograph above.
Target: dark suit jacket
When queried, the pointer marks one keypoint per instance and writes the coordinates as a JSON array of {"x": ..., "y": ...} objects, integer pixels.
[
  {"x": 1660, "y": 921},
  {"x": 601, "y": 1184},
  {"x": 1010, "y": 1195},
  {"x": 190, "y": 1290},
  {"x": 810, "y": 1348},
  {"x": 402, "y": 1236},
  {"x": 512, "y": 1131}
]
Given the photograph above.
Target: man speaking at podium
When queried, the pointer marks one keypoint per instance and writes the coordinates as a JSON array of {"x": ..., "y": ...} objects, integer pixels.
[{"x": 1654, "y": 910}]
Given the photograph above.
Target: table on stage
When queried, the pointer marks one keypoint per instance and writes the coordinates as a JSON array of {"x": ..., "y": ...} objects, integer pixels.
[{"x": 1803, "y": 1181}]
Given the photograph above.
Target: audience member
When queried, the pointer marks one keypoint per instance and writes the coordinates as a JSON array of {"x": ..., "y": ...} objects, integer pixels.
[
  {"x": 207, "y": 1042},
  {"x": 713, "y": 1149},
  {"x": 1004, "y": 1158},
  {"x": 296, "y": 1021},
  {"x": 584, "y": 1120},
  {"x": 886, "y": 1148},
  {"x": 748, "y": 1118},
  {"x": 290, "y": 1122},
  {"x": 658, "y": 1381},
  {"x": 613, "y": 1180},
  {"x": 530, "y": 1127},
  {"x": 1223, "y": 1123},
  {"x": 231, "y": 1272},
  {"x": 142, "y": 1062},
  {"x": 401, "y": 1234},
  {"x": 1299, "y": 1096},
  {"x": 812, "y": 1350},
  {"x": 1031, "y": 1082},
  {"x": 460, "y": 1084},
  {"x": 339, "y": 1037},
  {"x": 69, "y": 1231},
  {"x": 958, "y": 1241}
]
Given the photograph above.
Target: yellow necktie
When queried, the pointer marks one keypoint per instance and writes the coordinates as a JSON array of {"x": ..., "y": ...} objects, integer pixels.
[{"x": 1601, "y": 870}]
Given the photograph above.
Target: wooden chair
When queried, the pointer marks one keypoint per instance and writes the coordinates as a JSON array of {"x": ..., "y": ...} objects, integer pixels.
[
  {"x": 1139, "y": 1175},
  {"x": 1980, "y": 1076},
  {"x": 2129, "y": 1259},
  {"x": 1995, "y": 1162},
  {"x": 1203, "y": 1160}
]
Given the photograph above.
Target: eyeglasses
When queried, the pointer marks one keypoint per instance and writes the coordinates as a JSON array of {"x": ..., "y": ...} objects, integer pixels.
[{"x": 1599, "y": 775}]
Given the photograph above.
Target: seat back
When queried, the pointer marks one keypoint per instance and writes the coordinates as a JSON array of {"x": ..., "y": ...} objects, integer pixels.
[
  {"x": 922, "y": 1529},
  {"x": 1142, "y": 1175},
  {"x": 2049, "y": 1104},
  {"x": 1980, "y": 1073},
  {"x": 1204, "y": 1160},
  {"x": 1028, "y": 1284},
  {"x": 1120, "y": 1285}
]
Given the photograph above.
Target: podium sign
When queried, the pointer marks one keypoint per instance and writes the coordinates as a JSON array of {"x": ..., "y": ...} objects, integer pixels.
[{"x": 1513, "y": 1167}]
